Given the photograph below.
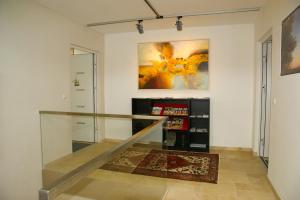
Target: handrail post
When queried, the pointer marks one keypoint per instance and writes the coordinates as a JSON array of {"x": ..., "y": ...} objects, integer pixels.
[{"x": 44, "y": 194}]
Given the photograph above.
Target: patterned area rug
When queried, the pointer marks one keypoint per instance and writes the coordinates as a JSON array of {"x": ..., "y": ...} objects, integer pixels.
[{"x": 191, "y": 166}]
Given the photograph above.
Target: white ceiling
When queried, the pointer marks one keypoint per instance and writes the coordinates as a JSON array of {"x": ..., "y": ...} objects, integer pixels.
[{"x": 91, "y": 11}]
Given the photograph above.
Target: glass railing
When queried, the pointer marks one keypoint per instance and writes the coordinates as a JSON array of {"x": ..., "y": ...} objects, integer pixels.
[{"x": 102, "y": 156}]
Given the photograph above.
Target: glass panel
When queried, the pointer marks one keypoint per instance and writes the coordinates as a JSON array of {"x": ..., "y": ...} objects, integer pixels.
[
  {"x": 125, "y": 170},
  {"x": 64, "y": 138}
]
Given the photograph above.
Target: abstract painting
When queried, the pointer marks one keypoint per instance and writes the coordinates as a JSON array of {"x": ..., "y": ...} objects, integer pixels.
[
  {"x": 173, "y": 65},
  {"x": 290, "y": 44}
]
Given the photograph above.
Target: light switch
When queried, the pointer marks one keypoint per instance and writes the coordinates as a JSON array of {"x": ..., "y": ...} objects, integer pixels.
[{"x": 64, "y": 97}]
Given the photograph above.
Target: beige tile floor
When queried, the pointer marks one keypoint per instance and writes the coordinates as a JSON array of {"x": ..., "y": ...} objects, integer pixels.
[{"x": 242, "y": 176}]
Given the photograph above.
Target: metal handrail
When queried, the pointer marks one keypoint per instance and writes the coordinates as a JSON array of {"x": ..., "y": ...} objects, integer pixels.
[
  {"x": 57, "y": 187},
  {"x": 103, "y": 115}
]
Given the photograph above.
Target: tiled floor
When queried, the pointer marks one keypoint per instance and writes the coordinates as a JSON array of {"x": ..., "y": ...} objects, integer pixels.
[{"x": 241, "y": 177}]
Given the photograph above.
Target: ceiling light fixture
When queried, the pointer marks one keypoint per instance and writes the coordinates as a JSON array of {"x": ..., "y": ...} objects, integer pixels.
[
  {"x": 179, "y": 24},
  {"x": 139, "y": 26}
]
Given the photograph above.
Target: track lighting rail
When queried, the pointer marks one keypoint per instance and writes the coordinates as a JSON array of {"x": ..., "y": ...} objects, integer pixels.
[
  {"x": 242, "y": 10},
  {"x": 158, "y": 16}
]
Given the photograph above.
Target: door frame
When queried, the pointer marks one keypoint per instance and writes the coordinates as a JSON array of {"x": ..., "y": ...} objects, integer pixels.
[
  {"x": 268, "y": 97},
  {"x": 95, "y": 88}
]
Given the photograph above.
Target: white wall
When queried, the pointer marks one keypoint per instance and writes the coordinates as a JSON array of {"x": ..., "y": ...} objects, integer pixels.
[
  {"x": 231, "y": 77},
  {"x": 34, "y": 73},
  {"x": 284, "y": 149}
]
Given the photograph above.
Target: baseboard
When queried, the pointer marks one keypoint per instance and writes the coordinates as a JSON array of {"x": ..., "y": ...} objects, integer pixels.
[
  {"x": 158, "y": 144},
  {"x": 211, "y": 147},
  {"x": 273, "y": 189},
  {"x": 83, "y": 142},
  {"x": 112, "y": 140},
  {"x": 231, "y": 148},
  {"x": 255, "y": 154}
]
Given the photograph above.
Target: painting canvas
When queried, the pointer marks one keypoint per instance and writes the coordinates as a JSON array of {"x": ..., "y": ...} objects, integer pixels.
[
  {"x": 173, "y": 65},
  {"x": 290, "y": 44}
]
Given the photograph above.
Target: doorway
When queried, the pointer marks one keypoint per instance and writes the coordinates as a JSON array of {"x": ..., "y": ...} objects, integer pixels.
[
  {"x": 265, "y": 100},
  {"x": 83, "y": 97}
]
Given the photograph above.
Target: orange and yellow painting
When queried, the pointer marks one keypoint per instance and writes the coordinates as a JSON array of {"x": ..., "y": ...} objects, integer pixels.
[{"x": 173, "y": 65}]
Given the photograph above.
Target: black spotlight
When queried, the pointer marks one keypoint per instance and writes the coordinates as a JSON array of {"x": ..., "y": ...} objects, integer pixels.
[
  {"x": 179, "y": 23},
  {"x": 140, "y": 27}
]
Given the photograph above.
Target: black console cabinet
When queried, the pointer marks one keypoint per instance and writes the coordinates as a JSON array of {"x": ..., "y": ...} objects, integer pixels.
[{"x": 188, "y": 121}]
